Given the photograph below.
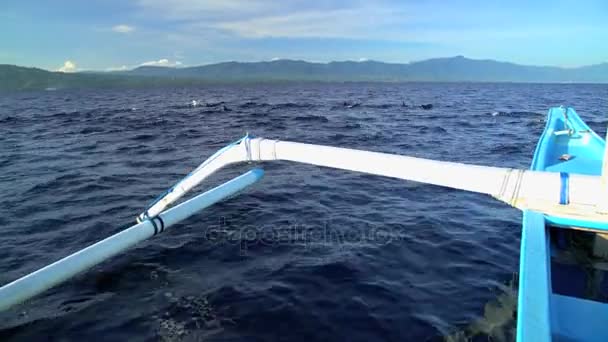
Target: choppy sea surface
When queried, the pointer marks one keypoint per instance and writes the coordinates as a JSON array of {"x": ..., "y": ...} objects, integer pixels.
[{"x": 309, "y": 253}]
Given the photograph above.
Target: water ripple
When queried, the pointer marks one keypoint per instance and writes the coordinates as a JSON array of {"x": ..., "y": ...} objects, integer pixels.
[{"x": 307, "y": 254}]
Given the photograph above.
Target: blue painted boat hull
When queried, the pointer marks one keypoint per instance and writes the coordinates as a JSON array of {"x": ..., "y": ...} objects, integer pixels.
[{"x": 553, "y": 303}]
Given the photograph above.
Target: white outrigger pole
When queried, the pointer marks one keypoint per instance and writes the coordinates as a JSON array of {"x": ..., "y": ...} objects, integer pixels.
[{"x": 523, "y": 189}]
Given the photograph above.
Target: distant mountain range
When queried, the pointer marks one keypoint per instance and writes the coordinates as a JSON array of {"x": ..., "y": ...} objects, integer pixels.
[{"x": 452, "y": 69}]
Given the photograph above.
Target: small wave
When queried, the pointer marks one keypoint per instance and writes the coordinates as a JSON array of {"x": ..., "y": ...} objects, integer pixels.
[
  {"x": 515, "y": 113},
  {"x": 127, "y": 148},
  {"x": 86, "y": 188},
  {"x": 380, "y": 106},
  {"x": 220, "y": 109},
  {"x": 465, "y": 124},
  {"x": 350, "y": 105},
  {"x": 64, "y": 113},
  {"x": 120, "y": 110},
  {"x": 376, "y": 137},
  {"x": 197, "y": 104},
  {"x": 252, "y": 104},
  {"x": 180, "y": 107},
  {"x": 8, "y": 119},
  {"x": 90, "y": 130},
  {"x": 536, "y": 123},
  {"x": 55, "y": 183},
  {"x": 108, "y": 281},
  {"x": 355, "y": 125},
  {"x": 339, "y": 137},
  {"x": 503, "y": 149},
  {"x": 432, "y": 129},
  {"x": 438, "y": 117},
  {"x": 311, "y": 118},
  {"x": 346, "y": 105},
  {"x": 438, "y": 129},
  {"x": 214, "y": 104},
  {"x": 5, "y": 162},
  {"x": 596, "y": 122},
  {"x": 248, "y": 104},
  {"x": 525, "y": 113},
  {"x": 419, "y": 127},
  {"x": 275, "y": 125},
  {"x": 336, "y": 271},
  {"x": 259, "y": 114},
  {"x": 191, "y": 132},
  {"x": 144, "y": 137},
  {"x": 289, "y": 105},
  {"x": 90, "y": 146}
]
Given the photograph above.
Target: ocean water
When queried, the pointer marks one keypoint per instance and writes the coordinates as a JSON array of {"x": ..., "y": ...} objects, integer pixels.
[{"x": 308, "y": 253}]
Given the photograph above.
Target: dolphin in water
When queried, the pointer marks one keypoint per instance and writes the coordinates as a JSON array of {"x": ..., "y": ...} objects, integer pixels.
[
  {"x": 214, "y": 104},
  {"x": 351, "y": 105}
]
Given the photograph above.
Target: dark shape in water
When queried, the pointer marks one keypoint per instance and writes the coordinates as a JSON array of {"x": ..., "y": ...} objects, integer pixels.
[
  {"x": 351, "y": 105},
  {"x": 251, "y": 104},
  {"x": 317, "y": 118},
  {"x": 214, "y": 104},
  {"x": 426, "y": 106}
]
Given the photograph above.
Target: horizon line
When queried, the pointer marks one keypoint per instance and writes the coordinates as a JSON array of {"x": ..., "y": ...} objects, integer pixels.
[{"x": 360, "y": 60}]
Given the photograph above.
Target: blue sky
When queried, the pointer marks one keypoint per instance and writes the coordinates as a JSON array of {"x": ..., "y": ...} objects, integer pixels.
[{"x": 113, "y": 34}]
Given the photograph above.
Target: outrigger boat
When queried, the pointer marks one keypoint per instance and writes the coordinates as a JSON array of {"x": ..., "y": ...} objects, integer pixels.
[
  {"x": 554, "y": 300},
  {"x": 562, "y": 195}
]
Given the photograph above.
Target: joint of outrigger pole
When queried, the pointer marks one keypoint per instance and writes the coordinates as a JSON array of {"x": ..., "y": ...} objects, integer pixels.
[
  {"x": 143, "y": 216},
  {"x": 157, "y": 228},
  {"x": 247, "y": 142},
  {"x": 146, "y": 217}
]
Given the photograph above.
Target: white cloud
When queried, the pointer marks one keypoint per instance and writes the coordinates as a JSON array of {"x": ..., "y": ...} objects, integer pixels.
[
  {"x": 162, "y": 62},
  {"x": 285, "y": 19},
  {"x": 239, "y": 17},
  {"x": 122, "y": 28},
  {"x": 405, "y": 30},
  {"x": 215, "y": 9},
  {"x": 68, "y": 66},
  {"x": 337, "y": 23},
  {"x": 397, "y": 21}
]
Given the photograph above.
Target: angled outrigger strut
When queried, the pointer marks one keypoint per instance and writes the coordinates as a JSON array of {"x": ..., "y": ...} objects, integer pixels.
[
  {"x": 552, "y": 193},
  {"x": 565, "y": 195}
]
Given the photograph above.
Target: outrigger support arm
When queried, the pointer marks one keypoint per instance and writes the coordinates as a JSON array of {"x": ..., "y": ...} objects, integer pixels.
[
  {"x": 552, "y": 193},
  {"x": 34, "y": 283},
  {"x": 575, "y": 196}
]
